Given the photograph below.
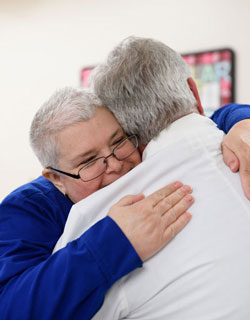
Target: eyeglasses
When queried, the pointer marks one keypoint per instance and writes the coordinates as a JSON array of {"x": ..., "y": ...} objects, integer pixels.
[{"x": 97, "y": 167}]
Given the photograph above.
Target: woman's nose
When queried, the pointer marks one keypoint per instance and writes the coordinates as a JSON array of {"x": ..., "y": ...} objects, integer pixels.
[{"x": 113, "y": 165}]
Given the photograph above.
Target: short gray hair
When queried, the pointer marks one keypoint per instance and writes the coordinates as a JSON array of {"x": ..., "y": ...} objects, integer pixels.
[
  {"x": 144, "y": 84},
  {"x": 65, "y": 107}
]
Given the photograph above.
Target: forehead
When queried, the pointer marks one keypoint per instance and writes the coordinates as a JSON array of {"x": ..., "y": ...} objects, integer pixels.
[{"x": 86, "y": 135}]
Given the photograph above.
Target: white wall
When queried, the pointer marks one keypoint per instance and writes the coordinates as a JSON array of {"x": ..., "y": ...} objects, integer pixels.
[{"x": 45, "y": 43}]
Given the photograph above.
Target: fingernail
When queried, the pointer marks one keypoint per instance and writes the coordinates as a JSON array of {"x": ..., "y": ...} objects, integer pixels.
[
  {"x": 232, "y": 165},
  {"x": 188, "y": 215},
  {"x": 186, "y": 188},
  {"x": 189, "y": 198},
  {"x": 178, "y": 184}
]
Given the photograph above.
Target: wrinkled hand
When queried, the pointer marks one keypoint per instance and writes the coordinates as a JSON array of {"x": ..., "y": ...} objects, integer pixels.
[
  {"x": 150, "y": 223},
  {"x": 236, "y": 152}
]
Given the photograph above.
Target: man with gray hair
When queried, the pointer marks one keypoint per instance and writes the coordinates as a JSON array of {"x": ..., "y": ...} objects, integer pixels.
[
  {"x": 204, "y": 272},
  {"x": 155, "y": 88}
]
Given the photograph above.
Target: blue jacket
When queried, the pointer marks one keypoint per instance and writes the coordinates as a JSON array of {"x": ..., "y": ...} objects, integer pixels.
[{"x": 72, "y": 283}]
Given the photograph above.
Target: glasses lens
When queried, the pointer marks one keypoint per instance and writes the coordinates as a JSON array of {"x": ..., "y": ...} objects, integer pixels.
[
  {"x": 93, "y": 169},
  {"x": 97, "y": 167},
  {"x": 124, "y": 149}
]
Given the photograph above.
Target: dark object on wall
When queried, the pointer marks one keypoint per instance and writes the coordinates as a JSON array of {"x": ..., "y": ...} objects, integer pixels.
[{"x": 213, "y": 72}]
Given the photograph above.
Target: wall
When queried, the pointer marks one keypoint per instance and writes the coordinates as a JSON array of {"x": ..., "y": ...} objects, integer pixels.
[{"x": 45, "y": 43}]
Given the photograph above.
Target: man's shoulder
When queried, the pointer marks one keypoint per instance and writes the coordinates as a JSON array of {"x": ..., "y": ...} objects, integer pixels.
[{"x": 186, "y": 130}]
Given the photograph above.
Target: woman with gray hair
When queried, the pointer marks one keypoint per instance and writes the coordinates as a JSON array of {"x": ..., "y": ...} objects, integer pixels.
[{"x": 82, "y": 149}]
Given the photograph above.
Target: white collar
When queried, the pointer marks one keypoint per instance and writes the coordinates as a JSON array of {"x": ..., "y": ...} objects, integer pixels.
[{"x": 178, "y": 130}]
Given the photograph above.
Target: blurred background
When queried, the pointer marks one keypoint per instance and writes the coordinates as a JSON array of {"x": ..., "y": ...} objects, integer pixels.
[{"x": 44, "y": 45}]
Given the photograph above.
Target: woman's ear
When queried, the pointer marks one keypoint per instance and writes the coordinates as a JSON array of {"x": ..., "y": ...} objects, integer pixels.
[
  {"x": 194, "y": 89},
  {"x": 54, "y": 178}
]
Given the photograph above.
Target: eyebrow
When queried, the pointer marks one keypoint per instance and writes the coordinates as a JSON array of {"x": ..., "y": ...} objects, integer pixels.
[{"x": 91, "y": 151}]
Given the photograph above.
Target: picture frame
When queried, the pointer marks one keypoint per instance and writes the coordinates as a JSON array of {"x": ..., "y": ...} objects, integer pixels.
[{"x": 214, "y": 74}]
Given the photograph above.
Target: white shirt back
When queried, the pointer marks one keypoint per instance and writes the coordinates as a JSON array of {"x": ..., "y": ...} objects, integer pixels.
[{"x": 203, "y": 274}]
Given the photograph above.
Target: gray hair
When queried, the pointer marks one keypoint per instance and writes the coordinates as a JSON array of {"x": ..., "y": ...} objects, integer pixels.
[
  {"x": 144, "y": 84},
  {"x": 65, "y": 108}
]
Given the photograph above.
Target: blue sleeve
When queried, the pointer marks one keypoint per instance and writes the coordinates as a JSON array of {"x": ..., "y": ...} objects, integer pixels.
[
  {"x": 70, "y": 284},
  {"x": 230, "y": 114}
]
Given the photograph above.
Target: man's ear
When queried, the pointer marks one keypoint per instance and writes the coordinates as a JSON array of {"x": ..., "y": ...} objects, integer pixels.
[
  {"x": 194, "y": 89},
  {"x": 54, "y": 178},
  {"x": 141, "y": 148}
]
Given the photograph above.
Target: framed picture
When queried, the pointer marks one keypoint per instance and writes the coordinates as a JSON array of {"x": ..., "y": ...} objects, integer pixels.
[{"x": 213, "y": 72}]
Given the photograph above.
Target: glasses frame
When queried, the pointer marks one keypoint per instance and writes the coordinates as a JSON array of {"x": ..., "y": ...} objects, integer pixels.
[{"x": 105, "y": 160}]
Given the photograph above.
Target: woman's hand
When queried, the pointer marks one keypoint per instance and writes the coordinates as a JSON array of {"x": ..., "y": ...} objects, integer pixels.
[
  {"x": 236, "y": 152},
  {"x": 151, "y": 222}
]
